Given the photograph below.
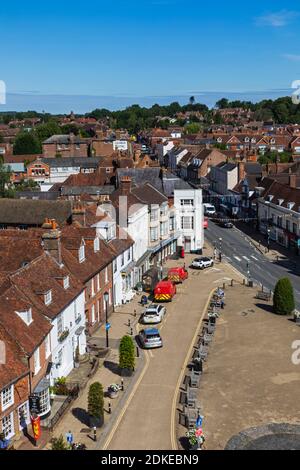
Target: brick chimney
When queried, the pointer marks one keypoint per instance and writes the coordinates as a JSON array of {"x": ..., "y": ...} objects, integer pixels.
[
  {"x": 125, "y": 185},
  {"x": 52, "y": 241},
  {"x": 78, "y": 214},
  {"x": 241, "y": 171},
  {"x": 293, "y": 181}
]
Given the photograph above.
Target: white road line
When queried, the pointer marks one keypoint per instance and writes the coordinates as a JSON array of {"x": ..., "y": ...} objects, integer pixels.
[
  {"x": 247, "y": 259},
  {"x": 252, "y": 256},
  {"x": 239, "y": 259}
]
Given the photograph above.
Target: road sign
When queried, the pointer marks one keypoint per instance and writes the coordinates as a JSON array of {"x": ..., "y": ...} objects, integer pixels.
[{"x": 107, "y": 326}]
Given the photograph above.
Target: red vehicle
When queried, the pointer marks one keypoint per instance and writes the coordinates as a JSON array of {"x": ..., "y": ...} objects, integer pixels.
[
  {"x": 177, "y": 275},
  {"x": 164, "y": 291},
  {"x": 205, "y": 222}
]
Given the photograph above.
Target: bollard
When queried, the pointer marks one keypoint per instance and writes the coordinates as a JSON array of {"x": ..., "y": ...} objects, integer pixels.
[
  {"x": 109, "y": 408},
  {"x": 137, "y": 352},
  {"x": 129, "y": 323},
  {"x": 231, "y": 283},
  {"x": 224, "y": 285},
  {"x": 134, "y": 313},
  {"x": 244, "y": 282},
  {"x": 95, "y": 434},
  {"x": 131, "y": 331},
  {"x": 122, "y": 385}
]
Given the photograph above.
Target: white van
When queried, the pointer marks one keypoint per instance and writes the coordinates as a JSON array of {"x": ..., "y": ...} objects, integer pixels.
[{"x": 209, "y": 209}]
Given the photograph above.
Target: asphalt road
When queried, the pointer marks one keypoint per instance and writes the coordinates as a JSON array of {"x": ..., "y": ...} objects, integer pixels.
[{"x": 239, "y": 252}]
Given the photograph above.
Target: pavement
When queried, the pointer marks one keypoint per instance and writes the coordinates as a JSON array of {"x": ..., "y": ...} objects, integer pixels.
[
  {"x": 147, "y": 420},
  {"x": 249, "y": 379},
  {"x": 243, "y": 253}
]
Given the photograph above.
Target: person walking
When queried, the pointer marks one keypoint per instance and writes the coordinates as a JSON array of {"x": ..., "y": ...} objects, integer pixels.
[{"x": 70, "y": 438}]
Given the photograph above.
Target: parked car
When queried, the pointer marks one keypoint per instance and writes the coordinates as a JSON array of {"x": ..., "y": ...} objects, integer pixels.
[
  {"x": 154, "y": 314},
  {"x": 209, "y": 209},
  {"x": 164, "y": 291},
  {"x": 178, "y": 275},
  {"x": 150, "y": 338},
  {"x": 226, "y": 223},
  {"x": 202, "y": 263}
]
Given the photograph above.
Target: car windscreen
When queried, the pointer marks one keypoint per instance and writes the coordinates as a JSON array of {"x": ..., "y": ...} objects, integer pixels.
[{"x": 153, "y": 336}]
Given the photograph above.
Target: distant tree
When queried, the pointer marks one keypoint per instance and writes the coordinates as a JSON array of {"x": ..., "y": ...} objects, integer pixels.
[
  {"x": 28, "y": 185},
  {"x": 218, "y": 119},
  {"x": 192, "y": 100},
  {"x": 192, "y": 128},
  {"x": 44, "y": 131},
  {"x": 27, "y": 144},
  {"x": 283, "y": 300},
  {"x": 222, "y": 104}
]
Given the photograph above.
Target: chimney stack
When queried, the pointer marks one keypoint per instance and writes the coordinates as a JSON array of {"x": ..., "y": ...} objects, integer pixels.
[
  {"x": 241, "y": 171},
  {"x": 293, "y": 181},
  {"x": 125, "y": 185},
  {"x": 78, "y": 214},
  {"x": 52, "y": 240}
]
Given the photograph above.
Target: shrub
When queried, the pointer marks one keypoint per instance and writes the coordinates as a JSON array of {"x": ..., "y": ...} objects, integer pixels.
[
  {"x": 96, "y": 400},
  {"x": 58, "y": 443},
  {"x": 127, "y": 353},
  {"x": 283, "y": 301}
]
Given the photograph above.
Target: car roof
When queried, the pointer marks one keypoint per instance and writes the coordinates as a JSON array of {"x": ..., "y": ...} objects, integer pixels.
[{"x": 151, "y": 331}]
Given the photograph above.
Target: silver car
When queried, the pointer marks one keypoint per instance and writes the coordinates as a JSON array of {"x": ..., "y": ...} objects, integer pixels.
[
  {"x": 202, "y": 263},
  {"x": 150, "y": 338},
  {"x": 154, "y": 314}
]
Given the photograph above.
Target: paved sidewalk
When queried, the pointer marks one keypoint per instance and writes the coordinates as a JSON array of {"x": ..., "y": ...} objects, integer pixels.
[
  {"x": 249, "y": 378},
  {"x": 276, "y": 251}
]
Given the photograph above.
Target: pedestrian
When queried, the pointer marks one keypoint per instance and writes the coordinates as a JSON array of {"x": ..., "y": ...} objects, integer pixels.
[
  {"x": 215, "y": 253},
  {"x": 70, "y": 438},
  {"x": 222, "y": 304},
  {"x": 220, "y": 257}
]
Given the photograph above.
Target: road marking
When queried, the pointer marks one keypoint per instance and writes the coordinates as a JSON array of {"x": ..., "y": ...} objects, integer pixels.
[
  {"x": 120, "y": 417},
  {"x": 151, "y": 354},
  {"x": 252, "y": 256},
  {"x": 247, "y": 259},
  {"x": 183, "y": 371},
  {"x": 239, "y": 259}
]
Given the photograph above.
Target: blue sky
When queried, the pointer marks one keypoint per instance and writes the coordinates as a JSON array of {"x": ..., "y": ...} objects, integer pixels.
[{"x": 146, "y": 48}]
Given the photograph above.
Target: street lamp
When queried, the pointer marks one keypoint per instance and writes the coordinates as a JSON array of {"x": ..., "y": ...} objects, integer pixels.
[
  {"x": 106, "y": 297},
  {"x": 268, "y": 239}
]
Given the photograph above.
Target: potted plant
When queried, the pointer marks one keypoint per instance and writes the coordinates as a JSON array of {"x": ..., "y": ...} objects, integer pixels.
[
  {"x": 127, "y": 356},
  {"x": 113, "y": 391},
  {"x": 193, "y": 441},
  {"x": 77, "y": 358},
  {"x": 196, "y": 438},
  {"x": 96, "y": 405},
  {"x": 58, "y": 443}
]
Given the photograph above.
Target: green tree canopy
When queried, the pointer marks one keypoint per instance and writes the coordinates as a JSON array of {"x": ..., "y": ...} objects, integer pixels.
[
  {"x": 283, "y": 300},
  {"x": 27, "y": 143}
]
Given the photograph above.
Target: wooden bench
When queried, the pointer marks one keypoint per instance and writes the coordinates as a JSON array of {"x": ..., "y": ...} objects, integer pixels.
[{"x": 264, "y": 295}]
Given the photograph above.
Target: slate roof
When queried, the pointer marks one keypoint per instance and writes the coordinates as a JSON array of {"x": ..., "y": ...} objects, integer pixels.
[{"x": 32, "y": 212}]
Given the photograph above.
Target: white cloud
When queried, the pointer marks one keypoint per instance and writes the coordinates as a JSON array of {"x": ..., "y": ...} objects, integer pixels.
[
  {"x": 277, "y": 19},
  {"x": 292, "y": 57}
]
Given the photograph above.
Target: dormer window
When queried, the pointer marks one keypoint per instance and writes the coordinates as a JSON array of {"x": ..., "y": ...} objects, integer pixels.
[
  {"x": 247, "y": 139},
  {"x": 96, "y": 245},
  {"x": 270, "y": 198},
  {"x": 48, "y": 297},
  {"x": 280, "y": 201},
  {"x": 66, "y": 282},
  {"x": 81, "y": 254},
  {"x": 26, "y": 316}
]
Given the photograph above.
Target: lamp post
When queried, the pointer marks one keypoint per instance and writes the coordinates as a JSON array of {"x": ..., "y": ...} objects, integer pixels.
[
  {"x": 268, "y": 239},
  {"x": 106, "y": 297},
  {"x": 220, "y": 254}
]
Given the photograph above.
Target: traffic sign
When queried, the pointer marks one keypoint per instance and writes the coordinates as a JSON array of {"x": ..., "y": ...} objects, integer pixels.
[{"x": 107, "y": 326}]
